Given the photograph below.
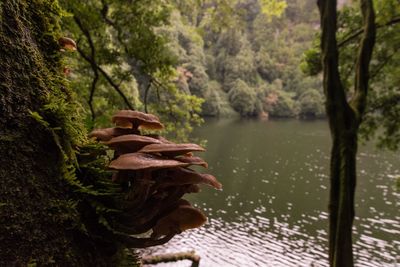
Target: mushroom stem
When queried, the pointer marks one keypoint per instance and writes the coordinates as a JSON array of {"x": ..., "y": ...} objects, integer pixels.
[
  {"x": 145, "y": 224},
  {"x": 153, "y": 208},
  {"x": 145, "y": 186},
  {"x": 139, "y": 192}
]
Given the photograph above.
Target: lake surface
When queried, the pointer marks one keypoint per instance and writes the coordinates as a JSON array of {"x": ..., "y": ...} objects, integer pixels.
[{"x": 273, "y": 207}]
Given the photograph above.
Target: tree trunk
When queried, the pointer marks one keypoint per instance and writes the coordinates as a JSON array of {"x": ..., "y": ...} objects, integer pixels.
[
  {"x": 344, "y": 121},
  {"x": 38, "y": 133},
  {"x": 341, "y": 205}
]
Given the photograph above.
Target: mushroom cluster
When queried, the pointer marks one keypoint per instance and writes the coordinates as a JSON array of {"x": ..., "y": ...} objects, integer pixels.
[{"x": 154, "y": 175}]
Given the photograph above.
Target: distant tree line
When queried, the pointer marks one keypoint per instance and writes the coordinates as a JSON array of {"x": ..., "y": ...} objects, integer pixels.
[{"x": 249, "y": 65}]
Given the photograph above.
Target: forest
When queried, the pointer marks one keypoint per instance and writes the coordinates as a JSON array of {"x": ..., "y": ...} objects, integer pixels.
[{"x": 295, "y": 105}]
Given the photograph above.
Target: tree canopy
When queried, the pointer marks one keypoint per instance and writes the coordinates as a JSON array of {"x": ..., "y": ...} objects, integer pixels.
[{"x": 383, "y": 104}]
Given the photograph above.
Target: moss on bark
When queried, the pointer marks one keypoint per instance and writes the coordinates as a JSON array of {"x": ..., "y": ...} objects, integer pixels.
[{"x": 39, "y": 130}]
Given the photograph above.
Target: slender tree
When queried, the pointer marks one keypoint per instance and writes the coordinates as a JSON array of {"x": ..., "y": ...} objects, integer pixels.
[{"x": 345, "y": 115}]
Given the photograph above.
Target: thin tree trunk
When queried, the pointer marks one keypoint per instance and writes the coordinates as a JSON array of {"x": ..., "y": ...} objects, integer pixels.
[{"x": 344, "y": 120}]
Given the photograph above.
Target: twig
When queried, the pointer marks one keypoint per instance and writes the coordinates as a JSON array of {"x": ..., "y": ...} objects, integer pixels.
[
  {"x": 359, "y": 32},
  {"x": 146, "y": 93},
  {"x": 172, "y": 257},
  {"x": 383, "y": 64},
  {"x": 93, "y": 63},
  {"x": 90, "y": 102}
]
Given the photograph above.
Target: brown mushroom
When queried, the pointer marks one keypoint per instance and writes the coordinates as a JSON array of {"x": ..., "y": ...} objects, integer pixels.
[
  {"x": 181, "y": 219},
  {"x": 171, "y": 150},
  {"x": 184, "y": 202},
  {"x": 160, "y": 138},
  {"x": 156, "y": 205},
  {"x": 136, "y": 119},
  {"x": 151, "y": 214},
  {"x": 130, "y": 143},
  {"x": 146, "y": 163},
  {"x": 182, "y": 176},
  {"x": 106, "y": 134},
  {"x": 192, "y": 160},
  {"x": 67, "y": 43},
  {"x": 139, "y": 192},
  {"x": 142, "y": 161},
  {"x": 192, "y": 188}
]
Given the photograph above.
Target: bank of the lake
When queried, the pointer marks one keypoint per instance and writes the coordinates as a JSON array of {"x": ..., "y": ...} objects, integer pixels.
[{"x": 273, "y": 208}]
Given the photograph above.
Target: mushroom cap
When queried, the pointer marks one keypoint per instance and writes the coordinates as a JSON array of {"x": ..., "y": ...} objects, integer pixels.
[
  {"x": 130, "y": 142},
  {"x": 192, "y": 160},
  {"x": 182, "y": 218},
  {"x": 106, "y": 134},
  {"x": 135, "y": 119},
  {"x": 184, "y": 202},
  {"x": 171, "y": 150},
  {"x": 183, "y": 176},
  {"x": 67, "y": 43},
  {"x": 141, "y": 161},
  {"x": 160, "y": 138}
]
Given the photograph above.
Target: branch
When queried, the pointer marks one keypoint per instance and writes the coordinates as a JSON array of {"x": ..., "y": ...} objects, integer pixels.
[
  {"x": 364, "y": 58},
  {"x": 94, "y": 83},
  {"x": 94, "y": 69},
  {"x": 383, "y": 64},
  {"x": 93, "y": 63},
  {"x": 146, "y": 92},
  {"x": 359, "y": 32},
  {"x": 104, "y": 12},
  {"x": 172, "y": 257}
]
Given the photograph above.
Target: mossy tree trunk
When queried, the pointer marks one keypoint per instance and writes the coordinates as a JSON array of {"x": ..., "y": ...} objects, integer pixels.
[
  {"x": 344, "y": 117},
  {"x": 38, "y": 132}
]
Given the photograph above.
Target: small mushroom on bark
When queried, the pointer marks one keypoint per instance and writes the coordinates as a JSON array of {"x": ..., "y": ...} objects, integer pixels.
[
  {"x": 171, "y": 150},
  {"x": 181, "y": 219},
  {"x": 136, "y": 119},
  {"x": 67, "y": 43}
]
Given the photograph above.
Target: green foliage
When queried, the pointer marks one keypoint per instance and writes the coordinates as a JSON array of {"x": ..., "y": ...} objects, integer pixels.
[
  {"x": 381, "y": 119},
  {"x": 124, "y": 58},
  {"x": 148, "y": 47},
  {"x": 256, "y": 48},
  {"x": 217, "y": 102},
  {"x": 243, "y": 98},
  {"x": 311, "y": 64},
  {"x": 311, "y": 104},
  {"x": 285, "y": 107},
  {"x": 179, "y": 110},
  {"x": 273, "y": 8}
]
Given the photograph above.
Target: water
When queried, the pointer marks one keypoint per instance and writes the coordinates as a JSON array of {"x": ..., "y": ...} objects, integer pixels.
[{"x": 273, "y": 207}]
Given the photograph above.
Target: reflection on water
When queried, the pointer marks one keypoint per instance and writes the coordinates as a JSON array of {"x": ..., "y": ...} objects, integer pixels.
[{"x": 273, "y": 208}]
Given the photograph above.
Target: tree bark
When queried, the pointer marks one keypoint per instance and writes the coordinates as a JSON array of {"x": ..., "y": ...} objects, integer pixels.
[
  {"x": 344, "y": 120},
  {"x": 38, "y": 133}
]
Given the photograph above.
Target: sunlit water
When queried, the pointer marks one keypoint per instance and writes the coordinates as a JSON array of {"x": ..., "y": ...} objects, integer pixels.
[{"x": 273, "y": 207}]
